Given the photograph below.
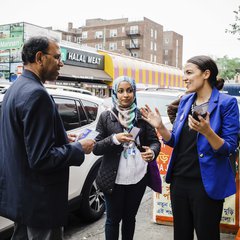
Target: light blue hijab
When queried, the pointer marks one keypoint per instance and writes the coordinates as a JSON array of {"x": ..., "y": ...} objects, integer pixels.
[{"x": 127, "y": 116}]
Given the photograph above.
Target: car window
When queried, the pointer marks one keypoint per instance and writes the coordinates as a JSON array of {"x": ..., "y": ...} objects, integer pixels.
[
  {"x": 91, "y": 110},
  {"x": 155, "y": 100},
  {"x": 71, "y": 113}
]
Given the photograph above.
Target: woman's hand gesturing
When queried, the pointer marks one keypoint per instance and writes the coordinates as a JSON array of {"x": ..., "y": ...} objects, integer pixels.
[{"x": 153, "y": 118}]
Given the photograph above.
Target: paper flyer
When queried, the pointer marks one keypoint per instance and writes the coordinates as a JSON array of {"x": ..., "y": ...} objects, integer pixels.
[{"x": 87, "y": 134}]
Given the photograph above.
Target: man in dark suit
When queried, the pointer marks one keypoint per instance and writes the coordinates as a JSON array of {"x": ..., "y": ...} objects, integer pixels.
[{"x": 35, "y": 152}]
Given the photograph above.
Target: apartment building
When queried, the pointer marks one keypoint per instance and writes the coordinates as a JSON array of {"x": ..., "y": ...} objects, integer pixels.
[
  {"x": 172, "y": 48},
  {"x": 71, "y": 34},
  {"x": 141, "y": 39}
]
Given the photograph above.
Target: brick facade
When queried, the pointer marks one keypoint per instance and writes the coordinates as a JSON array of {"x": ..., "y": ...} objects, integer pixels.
[{"x": 141, "y": 39}]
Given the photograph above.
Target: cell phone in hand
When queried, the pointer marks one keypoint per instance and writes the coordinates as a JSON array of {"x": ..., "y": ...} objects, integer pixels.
[
  {"x": 196, "y": 114},
  {"x": 135, "y": 132},
  {"x": 200, "y": 110}
]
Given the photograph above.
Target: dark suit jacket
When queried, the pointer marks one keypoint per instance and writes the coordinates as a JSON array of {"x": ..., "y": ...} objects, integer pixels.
[{"x": 34, "y": 156}]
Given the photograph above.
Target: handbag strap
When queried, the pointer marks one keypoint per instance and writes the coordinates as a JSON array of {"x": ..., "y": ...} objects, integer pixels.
[{"x": 114, "y": 114}]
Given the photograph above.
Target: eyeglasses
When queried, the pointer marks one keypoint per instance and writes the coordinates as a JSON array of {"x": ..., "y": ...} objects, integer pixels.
[{"x": 58, "y": 57}]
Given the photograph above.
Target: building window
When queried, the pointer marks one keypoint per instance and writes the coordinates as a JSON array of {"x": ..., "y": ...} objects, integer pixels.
[
  {"x": 151, "y": 58},
  {"x": 79, "y": 39},
  {"x": 134, "y": 54},
  {"x": 123, "y": 29},
  {"x": 166, "y": 62},
  {"x": 68, "y": 38},
  {"x": 155, "y": 47},
  {"x": 133, "y": 29},
  {"x": 151, "y": 33},
  {"x": 84, "y": 35},
  {"x": 123, "y": 43},
  {"x": 151, "y": 46},
  {"x": 99, "y": 46},
  {"x": 155, "y": 34},
  {"x": 113, "y": 33},
  {"x": 113, "y": 46},
  {"x": 166, "y": 40},
  {"x": 99, "y": 34},
  {"x": 166, "y": 52},
  {"x": 155, "y": 58}
]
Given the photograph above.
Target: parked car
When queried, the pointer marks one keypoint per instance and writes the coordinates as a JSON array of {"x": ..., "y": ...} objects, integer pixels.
[
  {"x": 78, "y": 111},
  {"x": 231, "y": 89},
  {"x": 4, "y": 86},
  {"x": 68, "y": 88},
  {"x": 159, "y": 98}
]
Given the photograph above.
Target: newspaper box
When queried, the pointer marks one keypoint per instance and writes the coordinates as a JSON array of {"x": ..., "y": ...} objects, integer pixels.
[{"x": 162, "y": 211}]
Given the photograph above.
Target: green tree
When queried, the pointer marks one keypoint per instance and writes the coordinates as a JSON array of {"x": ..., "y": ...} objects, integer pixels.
[
  {"x": 235, "y": 27},
  {"x": 228, "y": 68}
]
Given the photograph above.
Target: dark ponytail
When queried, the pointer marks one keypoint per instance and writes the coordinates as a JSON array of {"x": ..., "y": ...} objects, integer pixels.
[{"x": 219, "y": 83}]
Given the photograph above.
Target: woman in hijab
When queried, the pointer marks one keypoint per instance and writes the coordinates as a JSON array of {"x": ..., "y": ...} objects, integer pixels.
[{"x": 125, "y": 171}]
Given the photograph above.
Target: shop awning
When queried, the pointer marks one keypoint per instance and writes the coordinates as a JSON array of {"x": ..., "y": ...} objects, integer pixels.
[
  {"x": 84, "y": 73},
  {"x": 145, "y": 73}
]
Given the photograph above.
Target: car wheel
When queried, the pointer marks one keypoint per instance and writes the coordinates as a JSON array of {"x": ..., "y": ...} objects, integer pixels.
[{"x": 93, "y": 203}]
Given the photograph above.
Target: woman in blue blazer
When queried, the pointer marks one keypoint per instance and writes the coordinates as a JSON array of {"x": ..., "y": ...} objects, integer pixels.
[{"x": 200, "y": 170}]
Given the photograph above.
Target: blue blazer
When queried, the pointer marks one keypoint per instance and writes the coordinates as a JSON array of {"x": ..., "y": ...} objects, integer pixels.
[
  {"x": 216, "y": 171},
  {"x": 34, "y": 156}
]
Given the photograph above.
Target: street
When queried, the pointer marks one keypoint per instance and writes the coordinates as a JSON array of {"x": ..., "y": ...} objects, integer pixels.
[{"x": 145, "y": 228}]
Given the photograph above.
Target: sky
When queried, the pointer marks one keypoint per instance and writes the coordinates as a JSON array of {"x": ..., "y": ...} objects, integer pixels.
[{"x": 202, "y": 23}]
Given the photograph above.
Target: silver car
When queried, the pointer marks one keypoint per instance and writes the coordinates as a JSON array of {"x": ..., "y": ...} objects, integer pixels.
[{"x": 159, "y": 98}]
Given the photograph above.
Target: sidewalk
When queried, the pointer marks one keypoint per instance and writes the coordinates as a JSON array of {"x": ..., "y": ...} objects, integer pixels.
[{"x": 146, "y": 229}]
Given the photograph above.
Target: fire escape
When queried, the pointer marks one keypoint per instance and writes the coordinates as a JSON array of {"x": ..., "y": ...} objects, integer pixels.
[{"x": 133, "y": 35}]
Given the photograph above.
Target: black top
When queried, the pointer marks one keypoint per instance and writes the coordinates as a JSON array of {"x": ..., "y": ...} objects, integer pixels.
[{"x": 187, "y": 163}]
